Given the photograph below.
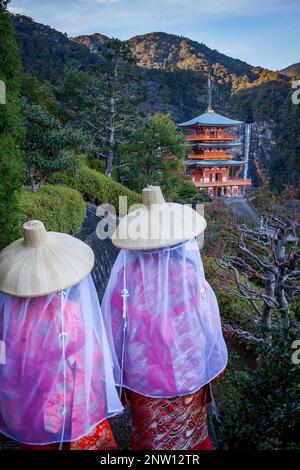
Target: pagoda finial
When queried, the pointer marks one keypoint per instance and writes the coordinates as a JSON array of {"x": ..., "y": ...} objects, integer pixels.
[{"x": 209, "y": 94}]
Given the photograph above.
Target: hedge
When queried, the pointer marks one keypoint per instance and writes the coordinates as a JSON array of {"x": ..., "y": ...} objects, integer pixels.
[
  {"x": 96, "y": 187},
  {"x": 61, "y": 209}
]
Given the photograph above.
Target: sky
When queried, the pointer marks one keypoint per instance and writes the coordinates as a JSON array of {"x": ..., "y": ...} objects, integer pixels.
[{"x": 260, "y": 32}]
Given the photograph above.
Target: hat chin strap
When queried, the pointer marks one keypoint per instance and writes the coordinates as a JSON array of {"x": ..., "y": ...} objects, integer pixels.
[
  {"x": 62, "y": 337},
  {"x": 125, "y": 295}
]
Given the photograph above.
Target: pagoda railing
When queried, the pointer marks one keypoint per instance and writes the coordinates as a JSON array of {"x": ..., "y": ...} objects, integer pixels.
[
  {"x": 210, "y": 138},
  {"x": 209, "y": 155},
  {"x": 228, "y": 182}
]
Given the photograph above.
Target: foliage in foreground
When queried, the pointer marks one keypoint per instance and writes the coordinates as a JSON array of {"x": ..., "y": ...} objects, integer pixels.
[
  {"x": 95, "y": 187},
  {"x": 61, "y": 209},
  {"x": 10, "y": 158},
  {"x": 260, "y": 408}
]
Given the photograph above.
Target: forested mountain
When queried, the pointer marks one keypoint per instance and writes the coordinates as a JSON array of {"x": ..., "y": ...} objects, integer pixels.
[
  {"x": 292, "y": 70},
  {"x": 92, "y": 42},
  {"x": 173, "y": 71},
  {"x": 45, "y": 51},
  {"x": 165, "y": 51}
]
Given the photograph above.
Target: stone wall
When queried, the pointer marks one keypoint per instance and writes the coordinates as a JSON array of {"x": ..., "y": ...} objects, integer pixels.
[{"x": 105, "y": 252}]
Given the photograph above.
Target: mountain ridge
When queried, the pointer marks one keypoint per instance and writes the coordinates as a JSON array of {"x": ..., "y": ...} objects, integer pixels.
[
  {"x": 292, "y": 70},
  {"x": 165, "y": 51}
]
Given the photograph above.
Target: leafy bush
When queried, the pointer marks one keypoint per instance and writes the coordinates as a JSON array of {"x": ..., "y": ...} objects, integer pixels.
[
  {"x": 61, "y": 209},
  {"x": 98, "y": 165},
  {"x": 260, "y": 407},
  {"x": 178, "y": 189},
  {"x": 189, "y": 194},
  {"x": 95, "y": 187}
]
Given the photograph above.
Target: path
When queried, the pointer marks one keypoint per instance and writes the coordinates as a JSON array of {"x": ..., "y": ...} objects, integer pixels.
[{"x": 241, "y": 207}]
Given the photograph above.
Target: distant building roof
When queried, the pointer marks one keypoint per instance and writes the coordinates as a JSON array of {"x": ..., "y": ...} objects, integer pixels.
[
  {"x": 211, "y": 118},
  {"x": 190, "y": 161}
]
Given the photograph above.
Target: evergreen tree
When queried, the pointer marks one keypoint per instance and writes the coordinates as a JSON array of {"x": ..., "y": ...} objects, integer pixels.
[
  {"x": 104, "y": 100},
  {"x": 155, "y": 155},
  {"x": 10, "y": 157},
  {"x": 49, "y": 145}
]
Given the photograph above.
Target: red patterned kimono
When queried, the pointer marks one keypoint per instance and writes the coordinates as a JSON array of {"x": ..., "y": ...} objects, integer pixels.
[{"x": 178, "y": 423}]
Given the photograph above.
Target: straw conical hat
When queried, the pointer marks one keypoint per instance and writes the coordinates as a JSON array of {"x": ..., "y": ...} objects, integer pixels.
[
  {"x": 43, "y": 262},
  {"x": 157, "y": 224}
]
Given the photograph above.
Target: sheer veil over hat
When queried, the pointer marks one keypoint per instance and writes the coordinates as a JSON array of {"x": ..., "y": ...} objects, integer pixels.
[
  {"x": 161, "y": 315},
  {"x": 56, "y": 377}
]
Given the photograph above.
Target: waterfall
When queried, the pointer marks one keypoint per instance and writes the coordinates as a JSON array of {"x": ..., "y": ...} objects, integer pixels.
[{"x": 247, "y": 148}]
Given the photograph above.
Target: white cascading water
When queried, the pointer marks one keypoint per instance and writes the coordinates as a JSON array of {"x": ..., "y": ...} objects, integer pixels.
[{"x": 247, "y": 148}]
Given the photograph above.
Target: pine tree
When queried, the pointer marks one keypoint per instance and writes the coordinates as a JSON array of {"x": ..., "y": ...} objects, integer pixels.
[
  {"x": 155, "y": 154},
  {"x": 105, "y": 99}
]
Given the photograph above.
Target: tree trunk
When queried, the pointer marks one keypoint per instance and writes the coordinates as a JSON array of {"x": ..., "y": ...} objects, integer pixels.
[
  {"x": 266, "y": 316},
  {"x": 283, "y": 303},
  {"x": 112, "y": 125},
  {"x": 109, "y": 161},
  {"x": 280, "y": 253},
  {"x": 270, "y": 292},
  {"x": 32, "y": 180},
  {"x": 111, "y": 140}
]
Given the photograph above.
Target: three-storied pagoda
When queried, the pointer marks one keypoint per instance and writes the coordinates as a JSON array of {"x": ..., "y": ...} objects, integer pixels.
[{"x": 209, "y": 161}]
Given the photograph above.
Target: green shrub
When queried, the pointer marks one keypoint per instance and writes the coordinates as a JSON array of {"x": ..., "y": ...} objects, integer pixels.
[
  {"x": 260, "y": 407},
  {"x": 95, "y": 187},
  {"x": 98, "y": 165},
  {"x": 178, "y": 189},
  {"x": 61, "y": 209}
]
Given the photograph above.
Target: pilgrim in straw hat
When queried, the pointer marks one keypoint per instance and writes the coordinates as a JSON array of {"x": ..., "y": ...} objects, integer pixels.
[
  {"x": 163, "y": 322},
  {"x": 56, "y": 379}
]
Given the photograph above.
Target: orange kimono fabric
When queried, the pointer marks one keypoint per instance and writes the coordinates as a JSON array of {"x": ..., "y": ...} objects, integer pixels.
[{"x": 101, "y": 438}]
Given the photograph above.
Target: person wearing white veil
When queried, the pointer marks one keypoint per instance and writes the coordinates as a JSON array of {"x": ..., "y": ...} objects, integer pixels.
[
  {"x": 56, "y": 380},
  {"x": 163, "y": 324}
]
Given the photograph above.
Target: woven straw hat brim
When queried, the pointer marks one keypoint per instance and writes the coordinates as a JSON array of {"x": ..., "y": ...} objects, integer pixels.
[
  {"x": 159, "y": 226},
  {"x": 59, "y": 263}
]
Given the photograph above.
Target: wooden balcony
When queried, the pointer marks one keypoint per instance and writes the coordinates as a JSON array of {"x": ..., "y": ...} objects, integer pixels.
[
  {"x": 210, "y": 138},
  {"x": 209, "y": 156},
  {"x": 219, "y": 184}
]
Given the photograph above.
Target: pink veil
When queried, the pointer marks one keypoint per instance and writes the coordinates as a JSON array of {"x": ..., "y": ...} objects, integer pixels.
[
  {"x": 56, "y": 379},
  {"x": 163, "y": 322}
]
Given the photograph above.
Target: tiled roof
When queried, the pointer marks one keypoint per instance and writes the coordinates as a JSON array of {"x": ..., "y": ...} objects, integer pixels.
[{"x": 211, "y": 119}]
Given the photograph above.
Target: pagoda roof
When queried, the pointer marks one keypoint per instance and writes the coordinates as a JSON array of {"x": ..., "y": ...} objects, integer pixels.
[
  {"x": 215, "y": 144},
  {"x": 210, "y": 118},
  {"x": 197, "y": 162}
]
